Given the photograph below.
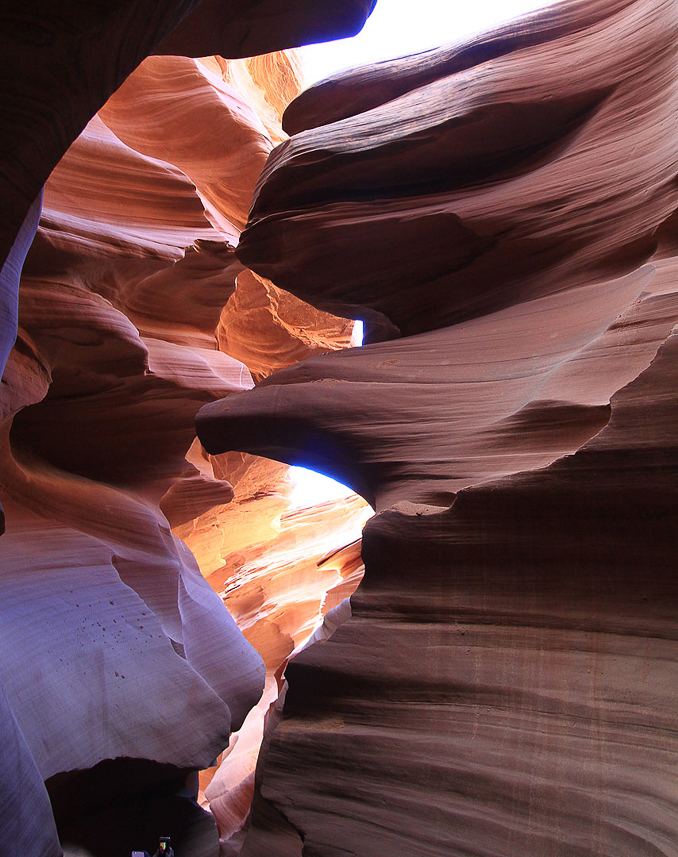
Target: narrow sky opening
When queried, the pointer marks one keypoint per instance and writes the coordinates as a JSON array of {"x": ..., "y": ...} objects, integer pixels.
[
  {"x": 310, "y": 488},
  {"x": 400, "y": 27}
]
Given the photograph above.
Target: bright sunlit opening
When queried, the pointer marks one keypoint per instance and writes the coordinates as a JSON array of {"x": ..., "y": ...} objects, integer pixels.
[
  {"x": 311, "y": 488},
  {"x": 397, "y": 28},
  {"x": 358, "y": 334}
]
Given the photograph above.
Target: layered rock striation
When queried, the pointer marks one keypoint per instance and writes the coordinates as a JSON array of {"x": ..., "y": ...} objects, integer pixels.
[
  {"x": 63, "y": 62},
  {"x": 503, "y": 215},
  {"x": 121, "y": 668}
]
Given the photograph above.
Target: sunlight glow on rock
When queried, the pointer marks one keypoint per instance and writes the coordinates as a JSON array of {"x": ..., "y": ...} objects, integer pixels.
[{"x": 311, "y": 488}]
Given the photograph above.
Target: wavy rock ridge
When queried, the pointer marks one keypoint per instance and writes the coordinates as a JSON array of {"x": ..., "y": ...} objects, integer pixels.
[
  {"x": 121, "y": 668},
  {"x": 506, "y": 209},
  {"x": 502, "y": 213}
]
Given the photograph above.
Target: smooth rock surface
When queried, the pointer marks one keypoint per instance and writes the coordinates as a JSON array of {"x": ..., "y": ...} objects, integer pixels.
[
  {"x": 504, "y": 212},
  {"x": 115, "y": 650},
  {"x": 62, "y": 62},
  {"x": 518, "y": 164}
]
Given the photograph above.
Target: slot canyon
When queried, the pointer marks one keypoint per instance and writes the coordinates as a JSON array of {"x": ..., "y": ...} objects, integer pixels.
[{"x": 474, "y": 654}]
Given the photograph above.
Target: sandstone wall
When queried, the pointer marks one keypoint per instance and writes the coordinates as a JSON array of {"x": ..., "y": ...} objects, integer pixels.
[
  {"x": 506, "y": 684},
  {"x": 113, "y": 645}
]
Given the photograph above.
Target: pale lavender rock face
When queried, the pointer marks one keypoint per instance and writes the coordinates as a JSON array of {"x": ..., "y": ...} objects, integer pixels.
[
  {"x": 91, "y": 670},
  {"x": 26, "y": 821},
  {"x": 10, "y": 274}
]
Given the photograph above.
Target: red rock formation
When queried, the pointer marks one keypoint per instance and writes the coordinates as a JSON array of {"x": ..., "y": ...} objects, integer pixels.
[
  {"x": 63, "y": 61},
  {"x": 112, "y": 642},
  {"x": 505, "y": 684},
  {"x": 114, "y": 647},
  {"x": 507, "y": 210},
  {"x": 269, "y": 329},
  {"x": 277, "y": 589},
  {"x": 492, "y": 166}
]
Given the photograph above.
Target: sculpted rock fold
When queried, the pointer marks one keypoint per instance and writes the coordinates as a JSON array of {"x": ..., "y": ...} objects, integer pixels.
[
  {"x": 121, "y": 666},
  {"x": 113, "y": 645},
  {"x": 505, "y": 684},
  {"x": 63, "y": 61},
  {"x": 530, "y": 705},
  {"x": 494, "y": 167}
]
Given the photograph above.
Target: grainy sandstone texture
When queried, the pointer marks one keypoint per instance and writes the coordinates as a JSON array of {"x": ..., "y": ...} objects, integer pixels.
[
  {"x": 503, "y": 215},
  {"x": 121, "y": 668}
]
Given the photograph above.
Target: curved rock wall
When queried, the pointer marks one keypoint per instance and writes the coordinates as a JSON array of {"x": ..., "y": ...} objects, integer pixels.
[
  {"x": 63, "y": 61},
  {"x": 506, "y": 684},
  {"x": 114, "y": 646},
  {"x": 502, "y": 214}
]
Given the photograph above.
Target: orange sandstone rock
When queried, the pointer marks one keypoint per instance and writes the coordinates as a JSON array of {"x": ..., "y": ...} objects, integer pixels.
[{"x": 114, "y": 646}]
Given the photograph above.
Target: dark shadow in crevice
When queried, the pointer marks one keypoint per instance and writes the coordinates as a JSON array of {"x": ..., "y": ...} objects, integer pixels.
[{"x": 122, "y": 805}]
